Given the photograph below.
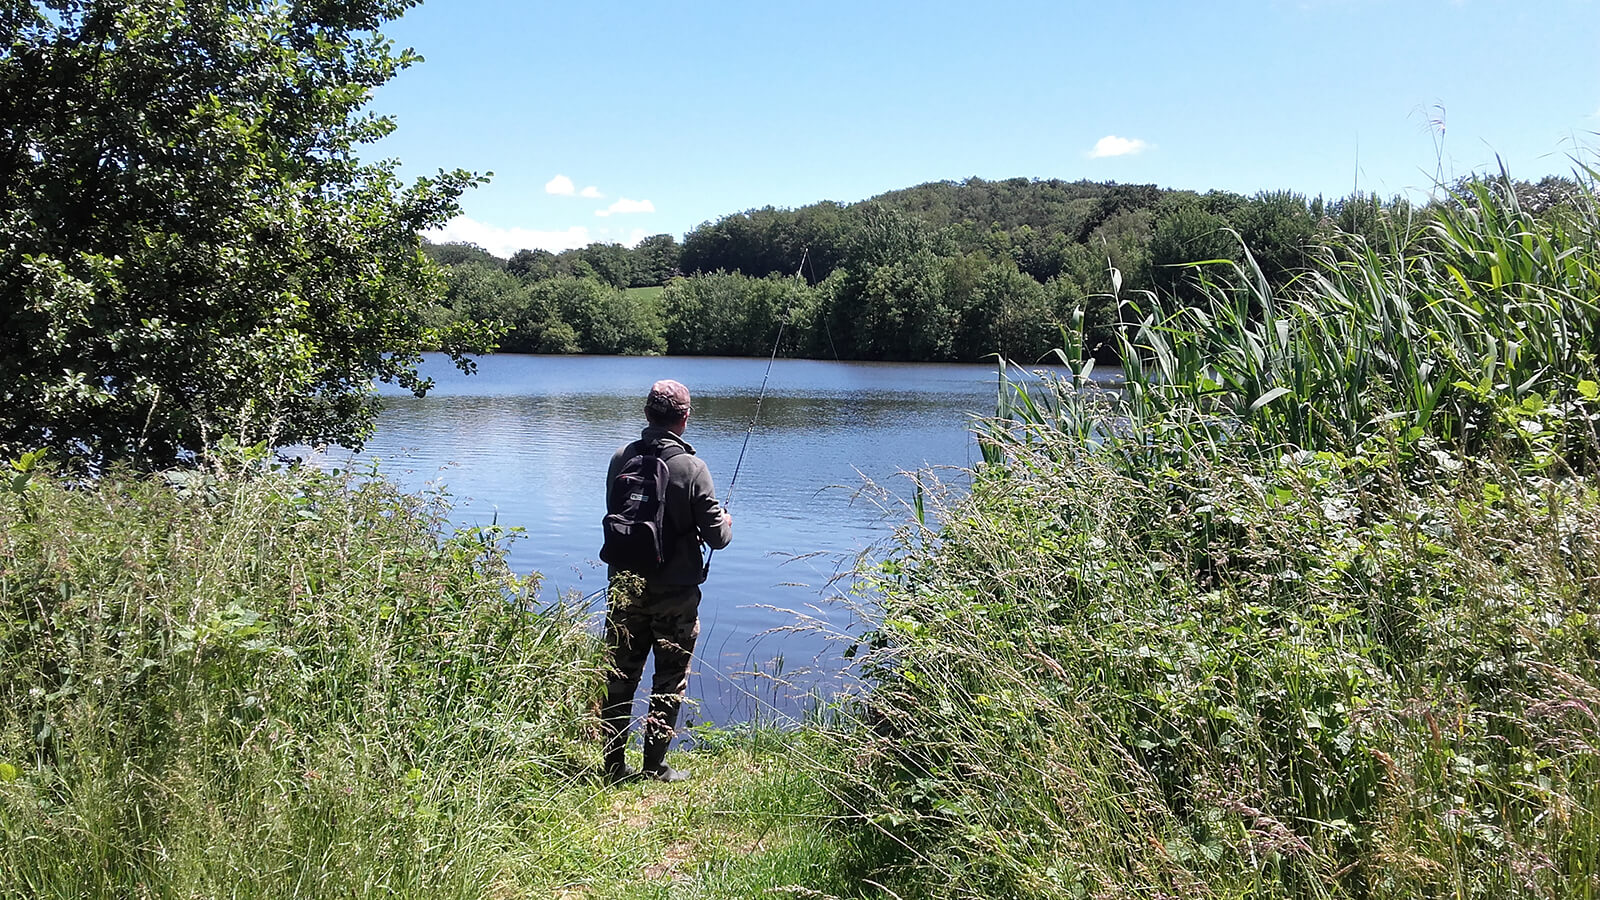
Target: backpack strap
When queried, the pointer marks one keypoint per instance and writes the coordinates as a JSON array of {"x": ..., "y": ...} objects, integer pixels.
[{"x": 665, "y": 452}]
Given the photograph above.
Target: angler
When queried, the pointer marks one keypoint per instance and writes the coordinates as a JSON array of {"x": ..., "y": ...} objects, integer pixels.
[{"x": 660, "y": 508}]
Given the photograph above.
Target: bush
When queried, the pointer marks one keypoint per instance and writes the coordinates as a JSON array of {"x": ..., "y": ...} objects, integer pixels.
[{"x": 1226, "y": 682}]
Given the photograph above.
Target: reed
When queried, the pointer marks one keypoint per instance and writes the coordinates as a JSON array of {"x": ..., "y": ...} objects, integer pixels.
[
  {"x": 1478, "y": 326},
  {"x": 1309, "y": 608}
]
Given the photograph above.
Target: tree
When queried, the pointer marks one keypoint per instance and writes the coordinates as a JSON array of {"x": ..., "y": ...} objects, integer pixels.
[
  {"x": 484, "y": 293},
  {"x": 1186, "y": 233},
  {"x": 458, "y": 253},
  {"x": 611, "y": 263},
  {"x": 655, "y": 260},
  {"x": 1009, "y": 314},
  {"x": 189, "y": 246},
  {"x": 726, "y": 313},
  {"x": 534, "y": 265},
  {"x": 1278, "y": 228}
]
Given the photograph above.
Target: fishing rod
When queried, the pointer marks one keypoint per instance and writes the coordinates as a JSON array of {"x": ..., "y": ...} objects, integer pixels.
[
  {"x": 706, "y": 569},
  {"x": 751, "y": 430},
  {"x": 756, "y": 416}
]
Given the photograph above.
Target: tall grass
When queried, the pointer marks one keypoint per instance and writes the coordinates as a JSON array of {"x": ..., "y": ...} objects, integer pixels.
[
  {"x": 268, "y": 683},
  {"x": 1478, "y": 325},
  {"x": 1311, "y": 608},
  {"x": 291, "y": 684}
]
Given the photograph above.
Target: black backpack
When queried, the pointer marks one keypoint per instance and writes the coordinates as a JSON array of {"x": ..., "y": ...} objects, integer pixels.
[{"x": 636, "y": 506}]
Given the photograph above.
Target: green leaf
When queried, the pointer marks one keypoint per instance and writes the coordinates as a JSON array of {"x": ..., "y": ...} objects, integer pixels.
[{"x": 1268, "y": 397}]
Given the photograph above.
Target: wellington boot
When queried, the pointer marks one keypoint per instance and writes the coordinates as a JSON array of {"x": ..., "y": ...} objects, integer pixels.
[
  {"x": 667, "y": 773},
  {"x": 617, "y": 770},
  {"x": 655, "y": 765}
]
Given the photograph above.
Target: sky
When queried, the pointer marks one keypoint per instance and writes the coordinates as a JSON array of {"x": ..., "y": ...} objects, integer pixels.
[{"x": 612, "y": 121}]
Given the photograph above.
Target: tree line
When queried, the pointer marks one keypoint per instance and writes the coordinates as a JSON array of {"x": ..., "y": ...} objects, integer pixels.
[
  {"x": 944, "y": 271},
  {"x": 223, "y": 264}
]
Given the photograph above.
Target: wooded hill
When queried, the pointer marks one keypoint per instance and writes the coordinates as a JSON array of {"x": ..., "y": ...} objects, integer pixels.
[{"x": 940, "y": 271}]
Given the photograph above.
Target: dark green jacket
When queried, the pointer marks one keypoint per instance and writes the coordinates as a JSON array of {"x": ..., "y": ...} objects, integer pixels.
[{"x": 693, "y": 516}]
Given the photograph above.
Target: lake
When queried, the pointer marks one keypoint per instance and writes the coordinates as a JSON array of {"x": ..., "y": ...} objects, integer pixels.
[{"x": 525, "y": 441}]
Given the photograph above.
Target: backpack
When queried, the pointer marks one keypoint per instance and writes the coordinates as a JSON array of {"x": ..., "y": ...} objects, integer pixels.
[{"x": 636, "y": 506}]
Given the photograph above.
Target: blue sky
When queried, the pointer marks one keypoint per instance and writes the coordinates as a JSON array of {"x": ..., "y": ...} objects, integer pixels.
[{"x": 612, "y": 121}]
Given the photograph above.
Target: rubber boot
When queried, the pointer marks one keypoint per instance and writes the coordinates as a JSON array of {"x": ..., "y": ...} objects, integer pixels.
[
  {"x": 615, "y": 729},
  {"x": 655, "y": 756}
]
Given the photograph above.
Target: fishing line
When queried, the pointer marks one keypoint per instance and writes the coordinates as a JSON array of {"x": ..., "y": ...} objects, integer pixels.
[
  {"x": 756, "y": 416},
  {"x": 728, "y": 500}
]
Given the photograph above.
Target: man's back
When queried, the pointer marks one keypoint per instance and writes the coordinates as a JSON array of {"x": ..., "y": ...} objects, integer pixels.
[{"x": 692, "y": 514}]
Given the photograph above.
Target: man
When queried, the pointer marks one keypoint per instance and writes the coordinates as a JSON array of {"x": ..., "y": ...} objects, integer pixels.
[{"x": 660, "y": 609}]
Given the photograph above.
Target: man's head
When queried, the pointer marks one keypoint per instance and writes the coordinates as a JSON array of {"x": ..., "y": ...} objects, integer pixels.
[{"x": 667, "y": 404}]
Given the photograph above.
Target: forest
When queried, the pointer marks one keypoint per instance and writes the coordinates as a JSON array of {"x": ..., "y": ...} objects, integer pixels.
[{"x": 944, "y": 271}]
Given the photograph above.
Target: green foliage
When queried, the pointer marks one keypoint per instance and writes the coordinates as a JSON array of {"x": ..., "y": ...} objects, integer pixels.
[
  {"x": 1278, "y": 229},
  {"x": 1008, "y": 314},
  {"x": 655, "y": 261},
  {"x": 954, "y": 271},
  {"x": 602, "y": 319},
  {"x": 533, "y": 265},
  {"x": 1186, "y": 233},
  {"x": 1241, "y": 681},
  {"x": 1477, "y": 330},
  {"x": 289, "y": 683},
  {"x": 462, "y": 253},
  {"x": 727, "y": 314},
  {"x": 765, "y": 241},
  {"x": 611, "y": 263},
  {"x": 1305, "y": 607},
  {"x": 893, "y": 309},
  {"x": 483, "y": 292},
  {"x": 188, "y": 246},
  {"x": 214, "y": 682}
]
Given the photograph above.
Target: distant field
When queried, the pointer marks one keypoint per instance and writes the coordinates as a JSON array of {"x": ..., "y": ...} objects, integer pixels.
[{"x": 649, "y": 293}]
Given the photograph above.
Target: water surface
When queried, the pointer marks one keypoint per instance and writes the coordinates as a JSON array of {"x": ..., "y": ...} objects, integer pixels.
[{"x": 525, "y": 441}]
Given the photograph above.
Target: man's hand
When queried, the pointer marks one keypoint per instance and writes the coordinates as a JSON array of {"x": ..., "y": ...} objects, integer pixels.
[{"x": 727, "y": 516}]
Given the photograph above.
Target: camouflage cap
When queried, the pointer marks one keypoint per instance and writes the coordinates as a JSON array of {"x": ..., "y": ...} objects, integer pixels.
[{"x": 669, "y": 398}]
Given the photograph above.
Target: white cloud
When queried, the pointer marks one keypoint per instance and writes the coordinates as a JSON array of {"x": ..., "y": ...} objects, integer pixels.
[
  {"x": 1111, "y": 145},
  {"x": 562, "y": 186},
  {"x": 503, "y": 242},
  {"x": 624, "y": 205}
]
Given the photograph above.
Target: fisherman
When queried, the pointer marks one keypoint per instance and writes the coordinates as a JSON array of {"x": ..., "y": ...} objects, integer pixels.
[{"x": 660, "y": 608}]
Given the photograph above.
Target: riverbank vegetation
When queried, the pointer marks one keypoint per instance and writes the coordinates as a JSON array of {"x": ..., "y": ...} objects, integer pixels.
[
  {"x": 942, "y": 271},
  {"x": 1307, "y": 610},
  {"x": 276, "y": 683}
]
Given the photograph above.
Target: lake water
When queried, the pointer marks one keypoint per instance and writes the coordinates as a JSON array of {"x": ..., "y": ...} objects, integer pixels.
[{"x": 525, "y": 442}]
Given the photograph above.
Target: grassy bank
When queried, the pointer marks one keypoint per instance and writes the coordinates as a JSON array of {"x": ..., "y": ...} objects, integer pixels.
[
  {"x": 1311, "y": 609},
  {"x": 294, "y": 684}
]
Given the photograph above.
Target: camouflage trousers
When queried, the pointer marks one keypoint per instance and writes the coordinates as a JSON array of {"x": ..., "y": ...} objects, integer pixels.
[{"x": 665, "y": 618}]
